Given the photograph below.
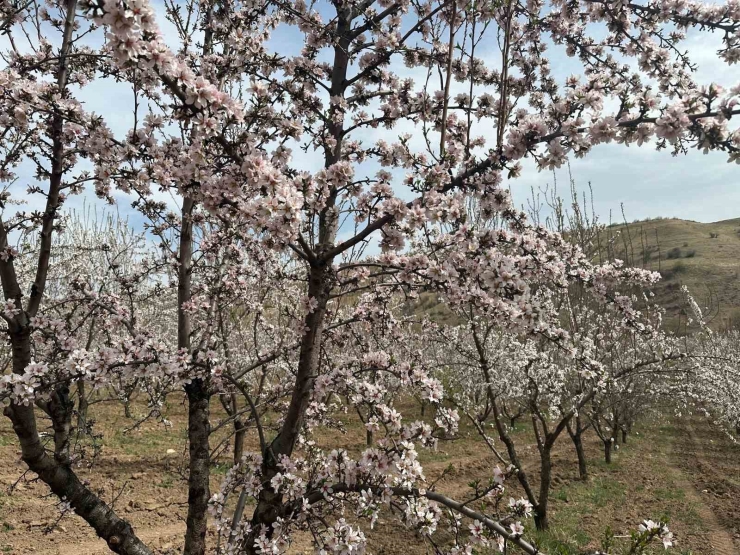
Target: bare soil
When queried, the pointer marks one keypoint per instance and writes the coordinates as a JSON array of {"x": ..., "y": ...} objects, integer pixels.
[{"x": 712, "y": 465}]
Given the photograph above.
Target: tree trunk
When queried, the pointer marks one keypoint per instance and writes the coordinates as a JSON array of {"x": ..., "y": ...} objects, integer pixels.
[
  {"x": 581, "y": 454},
  {"x": 82, "y": 407},
  {"x": 624, "y": 435},
  {"x": 240, "y": 433},
  {"x": 541, "y": 522},
  {"x": 368, "y": 432},
  {"x": 199, "y": 427},
  {"x": 576, "y": 435},
  {"x": 608, "y": 451},
  {"x": 540, "y": 510},
  {"x": 60, "y": 408},
  {"x": 127, "y": 409},
  {"x": 199, "y": 493},
  {"x": 512, "y": 416}
]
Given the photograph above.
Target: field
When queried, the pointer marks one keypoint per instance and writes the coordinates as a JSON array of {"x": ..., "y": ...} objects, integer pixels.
[
  {"x": 702, "y": 256},
  {"x": 682, "y": 470}
]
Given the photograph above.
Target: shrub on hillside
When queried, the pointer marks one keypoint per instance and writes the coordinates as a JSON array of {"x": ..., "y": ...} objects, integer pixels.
[
  {"x": 677, "y": 270},
  {"x": 674, "y": 253}
]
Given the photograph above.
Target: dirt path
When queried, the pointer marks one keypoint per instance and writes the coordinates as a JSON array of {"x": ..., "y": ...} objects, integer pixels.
[
  {"x": 719, "y": 538},
  {"x": 700, "y": 459}
]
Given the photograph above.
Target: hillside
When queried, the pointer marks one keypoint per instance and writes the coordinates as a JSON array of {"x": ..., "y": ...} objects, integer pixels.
[{"x": 703, "y": 256}]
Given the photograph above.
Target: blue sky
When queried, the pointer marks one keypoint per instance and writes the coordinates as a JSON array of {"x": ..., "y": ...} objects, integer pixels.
[{"x": 648, "y": 183}]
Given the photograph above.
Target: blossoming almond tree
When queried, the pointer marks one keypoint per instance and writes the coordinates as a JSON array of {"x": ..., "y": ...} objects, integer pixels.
[
  {"x": 552, "y": 381},
  {"x": 710, "y": 383},
  {"x": 216, "y": 123}
]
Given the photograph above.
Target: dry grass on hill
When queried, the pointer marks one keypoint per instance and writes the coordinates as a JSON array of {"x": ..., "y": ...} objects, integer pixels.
[{"x": 702, "y": 256}]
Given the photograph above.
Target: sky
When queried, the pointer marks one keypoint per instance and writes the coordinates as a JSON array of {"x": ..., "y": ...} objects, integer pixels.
[
  {"x": 645, "y": 182},
  {"x": 650, "y": 183}
]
